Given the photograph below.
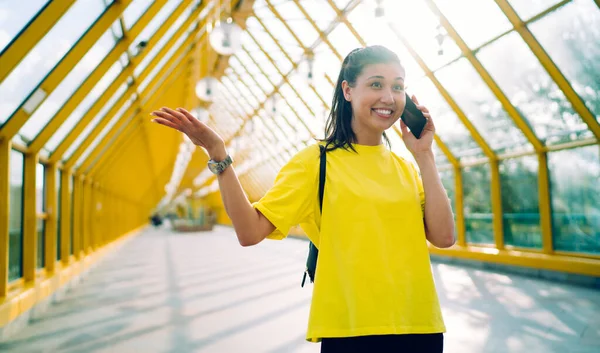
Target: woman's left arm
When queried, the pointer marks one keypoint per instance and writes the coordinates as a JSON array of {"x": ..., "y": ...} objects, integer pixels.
[{"x": 439, "y": 220}]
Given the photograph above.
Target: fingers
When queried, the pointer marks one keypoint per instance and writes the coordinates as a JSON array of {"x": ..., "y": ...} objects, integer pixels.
[
  {"x": 187, "y": 114},
  {"x": 166, "y": 122},
  {"x": 166, "y": 116},
  {"x": 176, "y": 114}
]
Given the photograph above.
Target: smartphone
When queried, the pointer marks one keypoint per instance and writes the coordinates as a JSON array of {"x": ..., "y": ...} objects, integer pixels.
[{"x": 413, "y": 117}]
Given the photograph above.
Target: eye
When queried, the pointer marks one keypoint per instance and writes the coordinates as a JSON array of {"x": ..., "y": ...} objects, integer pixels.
[
  {"x": 399, "y": 88},
  {"x": 376, "y": 84}
]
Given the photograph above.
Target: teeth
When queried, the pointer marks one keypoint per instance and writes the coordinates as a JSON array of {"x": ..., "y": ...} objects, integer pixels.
[{"x": 383, "y": 111}]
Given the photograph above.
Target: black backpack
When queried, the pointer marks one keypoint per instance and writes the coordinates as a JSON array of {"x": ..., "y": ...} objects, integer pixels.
[{"x": 313, "y": 252}]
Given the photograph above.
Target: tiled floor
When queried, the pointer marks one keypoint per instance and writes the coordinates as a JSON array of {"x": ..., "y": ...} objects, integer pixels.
[{"x": 166, "y": 292}]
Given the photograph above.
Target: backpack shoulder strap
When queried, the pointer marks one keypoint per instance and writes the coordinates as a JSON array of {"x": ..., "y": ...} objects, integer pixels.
[{"x": 322, "y": 173}]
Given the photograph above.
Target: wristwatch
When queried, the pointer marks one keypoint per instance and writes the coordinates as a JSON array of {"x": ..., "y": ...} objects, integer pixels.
[{"x": 218, "y": 167}]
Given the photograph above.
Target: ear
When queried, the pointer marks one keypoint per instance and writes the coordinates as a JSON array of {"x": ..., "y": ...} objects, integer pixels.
[{"x": 346, "y": 90}]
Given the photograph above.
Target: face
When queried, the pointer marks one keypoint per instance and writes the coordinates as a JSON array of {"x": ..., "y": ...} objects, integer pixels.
[{"x": 377, "y": 98}]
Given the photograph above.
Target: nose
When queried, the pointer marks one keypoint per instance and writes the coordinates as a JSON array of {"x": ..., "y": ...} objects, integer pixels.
[{"x": 387, "y": 97}]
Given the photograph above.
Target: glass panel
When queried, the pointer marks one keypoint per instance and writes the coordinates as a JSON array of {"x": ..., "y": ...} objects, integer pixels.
[
  {"x": 14, "y": 17},
  {"x": 88, "y": 129},
  {"x": 530, "y": 89},
  {"x": 134, "y": 11},
  {"x": 343, "y": 40},
  {"x": 15, "y": 216},
  {"x": 575, "y": 192},
  {"x": 415, "y": 21},
  {"x": 573, "y": 46},
  {"x": 323, "y": 15},
  {"x": 65, "y": 89},
  {"x": 46, "y": 54},
  {"x": 478, "y": 205},
  {"x": 83, "y": 107},
  {"x": 40, "y": 183},
  {"x": 297, "y": 22},
  {"x": 277, "y": 28},
  {"x": 447, "y": 124},
  {"x": 58, "y": 218},
  {"x": 105, "y": 131},
  {"x": 520, "y": 202},
  {"x": 483, "y": 21},
  {"x": 149, "y": 32},
  {"x": 529, "y": 8},
  {"x": 481, "y": 107},
  {"x": 268, "y": 45}
]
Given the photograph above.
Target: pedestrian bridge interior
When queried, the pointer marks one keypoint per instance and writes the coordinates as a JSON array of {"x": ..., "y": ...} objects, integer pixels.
[{"x": 113, "y": 235}]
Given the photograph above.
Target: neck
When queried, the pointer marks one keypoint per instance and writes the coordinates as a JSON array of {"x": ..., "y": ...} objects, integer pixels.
[{"x": 365, "y": 136}]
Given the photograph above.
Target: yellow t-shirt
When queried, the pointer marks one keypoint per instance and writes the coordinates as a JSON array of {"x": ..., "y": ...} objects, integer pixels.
[{"x": 373, "y": 272}]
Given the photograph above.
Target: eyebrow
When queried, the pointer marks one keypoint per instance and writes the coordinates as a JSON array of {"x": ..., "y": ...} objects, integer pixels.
[{"x": 381, "y": 77}]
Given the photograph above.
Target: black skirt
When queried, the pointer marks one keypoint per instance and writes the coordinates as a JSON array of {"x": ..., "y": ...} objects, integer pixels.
[{"x": 409, "y": 343}]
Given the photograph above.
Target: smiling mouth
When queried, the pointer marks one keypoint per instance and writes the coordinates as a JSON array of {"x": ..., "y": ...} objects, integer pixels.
[{"x": 384, "y": 113}]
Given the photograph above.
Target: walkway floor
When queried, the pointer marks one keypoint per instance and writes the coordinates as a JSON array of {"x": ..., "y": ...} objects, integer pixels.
[{"x": 166, "y": 292}]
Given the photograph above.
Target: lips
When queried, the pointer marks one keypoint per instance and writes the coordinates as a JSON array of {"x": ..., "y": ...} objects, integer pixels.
[{"x": 384, "y": 113}]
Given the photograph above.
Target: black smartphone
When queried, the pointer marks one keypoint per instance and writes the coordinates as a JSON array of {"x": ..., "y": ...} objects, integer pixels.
[{"x": 413, "y": 117}]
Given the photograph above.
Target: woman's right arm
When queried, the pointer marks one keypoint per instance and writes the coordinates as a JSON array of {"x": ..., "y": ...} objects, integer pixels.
[{"x": 251, "y": 227}]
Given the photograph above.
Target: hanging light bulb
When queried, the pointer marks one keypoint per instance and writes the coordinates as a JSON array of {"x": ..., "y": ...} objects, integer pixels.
[
  {"x": 439, "y": 37},
  {"x": 206, "y": 88},
  {"x": 310, "y": 60},
  {"x": 226, "y": 37},
  {"x": 274, "y": 104},
  {"x": 379, "y": 11}
]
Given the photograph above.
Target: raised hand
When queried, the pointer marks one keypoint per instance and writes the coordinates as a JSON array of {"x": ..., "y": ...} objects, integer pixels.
[
  {"x": 419, "y": 145},
  {"x": 199, "y": 133}
]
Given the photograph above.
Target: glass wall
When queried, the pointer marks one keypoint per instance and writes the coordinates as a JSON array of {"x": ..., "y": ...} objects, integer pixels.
[
  {"x": 575, "y": 186},
  {"x": 15, "y": 216},
  {"x": 477, "y": 204}
]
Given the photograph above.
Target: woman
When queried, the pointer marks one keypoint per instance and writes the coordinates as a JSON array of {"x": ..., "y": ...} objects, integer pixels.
[{"x": 374, "y": 291}]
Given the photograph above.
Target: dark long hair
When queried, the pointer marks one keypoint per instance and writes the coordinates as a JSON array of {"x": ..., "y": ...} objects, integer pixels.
[{"x": 338, "y": 128}]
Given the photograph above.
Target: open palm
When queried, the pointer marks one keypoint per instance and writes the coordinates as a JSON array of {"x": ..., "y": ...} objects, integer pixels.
[{"x": 182, "y": 120}]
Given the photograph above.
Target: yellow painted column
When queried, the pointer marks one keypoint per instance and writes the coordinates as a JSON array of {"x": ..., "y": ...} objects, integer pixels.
[
  {"x": 86, "y": 211},
  {"x": 545, "y": 203},
  {"x": 51, "y": 220},
  {"x": 497, "y": 204},
  {"x": 4, "y": 207},
  {"x": 29, "y": 218},
  {"x": 460, "y": 211},
  {"x": 77, "y": 215},
  {"x": 65, "y": 215}
]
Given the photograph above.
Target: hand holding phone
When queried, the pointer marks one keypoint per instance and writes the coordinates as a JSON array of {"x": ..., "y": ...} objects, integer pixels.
[{"x": 413, "y": 117}]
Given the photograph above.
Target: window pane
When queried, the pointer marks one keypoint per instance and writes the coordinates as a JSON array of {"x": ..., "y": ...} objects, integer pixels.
[
  {"x": 415, "y": 21},
  {"x": 520, "y": 202},
  {"x": 575, "y": 193},
  {"x": 571, "y": 36},
  {"x": 529, "y": 8},
  {"x": 40, "y": 182},
  {"x": 481, "y": 107},
  {"x": 343, "y": 40},
  {"x": 296, "y": 20},
  {"x": 57, "y": 212},
  {"x": 478, "y": 205},
  {"x": 15, "y": 216},
  {"x": 134, "y": 11},
  {"x": 65, "y": 89},
  {"x": 447, "y": 124},
  {"x": 483, "y": 20},
  {"x": 530, "y": 89},
  {"x": 46, "y": 54},
  {"x": 101, "y": 115},
  {"x": 14, "y": 16},
  {"x": 85, "y": 104}
]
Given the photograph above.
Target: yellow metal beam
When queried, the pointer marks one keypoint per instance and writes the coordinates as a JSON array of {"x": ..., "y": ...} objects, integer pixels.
[
  {"x": 83, "y": 90},
  {"x": 65, "y": 216},
  {"x": 110, "y": 59},
  {"x": 29, "y": 218},
  {"x": 459, "y": 207},
  {"x": 12, "y": 55},
  {"x": 51, "y": 221},
  {"x": 77, "y": 215},
  {"x": 554, "y": 72},
  {"x": 545, "y": 203},
  {"x": 4, "y": 217},
  {"x": 487, "y": 78},
  {"x": 322, "y": 34},
  {"x": 60, "y": 71}
]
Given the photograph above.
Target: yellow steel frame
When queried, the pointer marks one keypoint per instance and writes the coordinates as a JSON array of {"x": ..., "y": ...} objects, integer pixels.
[
  {"x": 12, "y": 55},
  {"x": 55, "y": 77},
  {"x": 5, "y": 146}
]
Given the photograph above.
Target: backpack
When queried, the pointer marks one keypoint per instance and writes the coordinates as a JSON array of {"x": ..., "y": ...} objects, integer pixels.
[{"x": 313, "y": 252}]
